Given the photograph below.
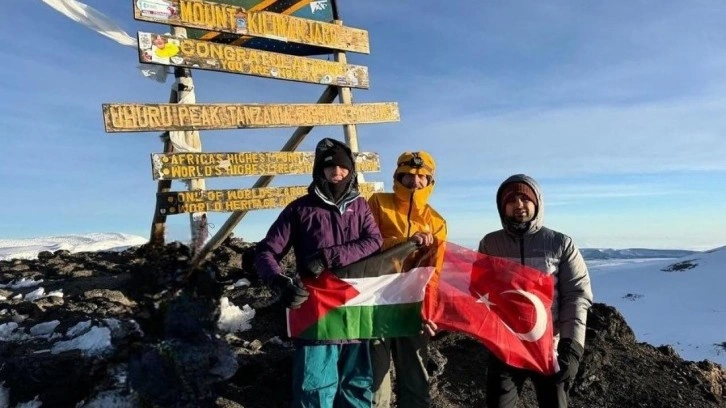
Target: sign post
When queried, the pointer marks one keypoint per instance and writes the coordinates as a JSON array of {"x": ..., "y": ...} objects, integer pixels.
[
  {"x": 176, "y": 166},
  {"x": 158, "y": 223},
  {"x": 222, "y": 18},
  {"x": 148, "y": 117},
  {"x": 161, "y": 49},
  {"x": 189, "y": 140},
  {"x": 263, "y": 198},
  {"x": 272, "y": 39}
]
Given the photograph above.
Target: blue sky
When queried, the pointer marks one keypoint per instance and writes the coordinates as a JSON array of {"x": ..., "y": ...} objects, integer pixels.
[{"x": 616, "y": 108}]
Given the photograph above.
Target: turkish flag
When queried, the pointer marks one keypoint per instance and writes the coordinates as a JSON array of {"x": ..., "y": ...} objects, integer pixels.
[{"x": 505, "y": 305}]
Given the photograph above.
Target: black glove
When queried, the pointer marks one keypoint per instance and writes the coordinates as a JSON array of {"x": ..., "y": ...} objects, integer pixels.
[
  {"x": 291, "y": 293},
  {"x": 569, "y": 353},
  {"x": 315, "y": 264}
]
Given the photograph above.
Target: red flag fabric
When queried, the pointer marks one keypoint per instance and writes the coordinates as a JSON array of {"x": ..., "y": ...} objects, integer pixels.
[{"x": 505, "y": 305}]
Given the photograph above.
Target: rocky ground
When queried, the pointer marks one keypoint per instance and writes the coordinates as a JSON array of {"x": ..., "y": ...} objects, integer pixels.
[{"x": 167, "y": 351}]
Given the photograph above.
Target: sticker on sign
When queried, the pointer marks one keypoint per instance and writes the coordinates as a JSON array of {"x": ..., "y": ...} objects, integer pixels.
[{"x": 160, "y": 9}]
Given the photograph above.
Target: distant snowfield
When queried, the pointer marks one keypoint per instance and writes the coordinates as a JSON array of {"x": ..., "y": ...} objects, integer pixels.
[
  {"x": 683, "y": 308},
  {"x": 31, "y": 247},
  {"x": 600, "y": 267}
]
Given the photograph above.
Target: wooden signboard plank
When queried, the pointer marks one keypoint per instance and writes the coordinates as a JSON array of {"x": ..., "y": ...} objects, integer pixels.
[
  {"x": 318, "y": 10},
  {"x": 180, "y": 202},
  {"x": 208, "y": 15},
  {"x": 171, "y": 116},
  {"x": 168, "y": 50},
  {"x": 176, "y": 166}
]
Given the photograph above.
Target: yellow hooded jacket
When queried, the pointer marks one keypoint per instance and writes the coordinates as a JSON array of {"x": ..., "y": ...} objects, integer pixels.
[{"x": 406, "y": 211}]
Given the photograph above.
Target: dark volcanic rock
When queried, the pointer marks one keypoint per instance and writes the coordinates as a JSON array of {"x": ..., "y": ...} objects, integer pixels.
[
  {"x": 58, "y": 379},
  {"x": 165, "y": 342}
]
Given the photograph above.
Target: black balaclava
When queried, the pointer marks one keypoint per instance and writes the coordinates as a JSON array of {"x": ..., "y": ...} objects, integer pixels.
[{"x": 335, "y": 155}]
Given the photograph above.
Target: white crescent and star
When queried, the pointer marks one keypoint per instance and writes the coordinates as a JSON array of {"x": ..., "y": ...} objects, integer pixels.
[
  {"x": 485, "y": 300},
  {"x": 540, "y": 323}
]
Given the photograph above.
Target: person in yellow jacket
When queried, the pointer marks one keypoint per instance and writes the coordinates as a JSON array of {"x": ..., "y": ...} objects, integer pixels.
[{"x": 405, "y": 215}]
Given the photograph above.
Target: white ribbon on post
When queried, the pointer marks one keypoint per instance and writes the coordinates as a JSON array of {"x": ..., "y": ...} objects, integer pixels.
[{"x": 98, "y": 22}]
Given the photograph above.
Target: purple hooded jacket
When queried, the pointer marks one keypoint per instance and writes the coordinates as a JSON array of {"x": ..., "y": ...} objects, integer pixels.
[{"x": 341, "y": 232}]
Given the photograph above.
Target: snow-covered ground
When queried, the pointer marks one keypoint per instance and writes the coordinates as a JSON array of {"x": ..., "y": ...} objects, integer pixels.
[
  {"x": 30, "y": 247},
  {"x": 683, "y": 306}
]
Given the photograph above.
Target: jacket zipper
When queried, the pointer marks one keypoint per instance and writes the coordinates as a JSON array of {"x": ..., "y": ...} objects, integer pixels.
[
  {"x": 521, "y": 249},
  {"x": 408, "y": 217},
  {"x": 335, "y": 222}
]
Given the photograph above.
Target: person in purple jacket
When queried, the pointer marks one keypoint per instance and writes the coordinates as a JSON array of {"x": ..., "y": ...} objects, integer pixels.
[{"x": 328, "y": 228}]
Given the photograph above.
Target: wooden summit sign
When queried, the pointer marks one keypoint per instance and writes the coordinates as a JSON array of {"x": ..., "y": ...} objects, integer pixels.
[
  {"x": 181, "y": 52},
  {"x": 171, "y": 116},
  {"x": 180, "y": 202},
  {"x": 174, "y": 166},
  {"x": 233, "y": 19}
]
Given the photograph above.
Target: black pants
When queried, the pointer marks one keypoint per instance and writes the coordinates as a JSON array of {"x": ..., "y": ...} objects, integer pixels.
[{"x": 504, "y": 384}]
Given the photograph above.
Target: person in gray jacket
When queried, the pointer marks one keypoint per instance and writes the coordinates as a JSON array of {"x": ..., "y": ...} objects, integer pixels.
[{"x": 524, "y": 239}]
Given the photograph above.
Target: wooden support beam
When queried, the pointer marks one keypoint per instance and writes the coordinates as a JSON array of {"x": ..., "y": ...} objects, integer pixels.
[
  {"x": 346, "y": 98},
  {"x": 189, "y": 140},
  {"x": 158, "y": 223}
]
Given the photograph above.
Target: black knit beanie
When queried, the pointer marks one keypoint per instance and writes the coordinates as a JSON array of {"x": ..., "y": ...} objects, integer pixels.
[{"x": 336, "y": 156}]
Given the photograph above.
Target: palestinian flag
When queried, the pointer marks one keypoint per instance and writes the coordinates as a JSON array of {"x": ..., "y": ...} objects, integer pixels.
[{"x": 371, "y": 298}]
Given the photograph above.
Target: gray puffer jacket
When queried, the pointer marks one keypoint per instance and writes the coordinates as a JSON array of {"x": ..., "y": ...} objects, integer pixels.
[{"x": 553, "y": 253}]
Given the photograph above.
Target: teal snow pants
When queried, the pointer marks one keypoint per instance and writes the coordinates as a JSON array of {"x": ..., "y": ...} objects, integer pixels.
[{"x": 332, "y": 376}]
